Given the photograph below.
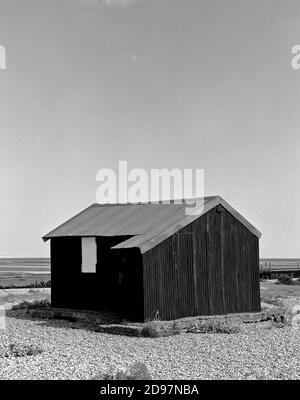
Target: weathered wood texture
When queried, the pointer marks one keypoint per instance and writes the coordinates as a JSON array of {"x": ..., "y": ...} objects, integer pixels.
[{"x": 209, "y": 267}]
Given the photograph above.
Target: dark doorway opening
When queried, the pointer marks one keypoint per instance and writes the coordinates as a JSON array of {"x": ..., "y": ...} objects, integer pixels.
[{"x": 119, "y": 278}]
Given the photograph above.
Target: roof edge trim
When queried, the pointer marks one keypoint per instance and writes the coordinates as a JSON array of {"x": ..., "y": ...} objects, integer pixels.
[{"x": 48, "y": 235}]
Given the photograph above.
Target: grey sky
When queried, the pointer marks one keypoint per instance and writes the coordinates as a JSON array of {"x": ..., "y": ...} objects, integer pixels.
[{"x": 160, "y": 83}]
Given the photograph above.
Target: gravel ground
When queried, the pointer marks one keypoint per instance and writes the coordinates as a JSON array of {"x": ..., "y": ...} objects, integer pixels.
[{"x": 260, "y": 351}]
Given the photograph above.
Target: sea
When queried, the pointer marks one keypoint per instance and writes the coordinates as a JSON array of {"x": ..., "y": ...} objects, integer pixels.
[{"x": 32, "y": 265}]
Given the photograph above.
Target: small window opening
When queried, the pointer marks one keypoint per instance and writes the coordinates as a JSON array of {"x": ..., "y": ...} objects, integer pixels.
[{"x": 89, "y": 254}]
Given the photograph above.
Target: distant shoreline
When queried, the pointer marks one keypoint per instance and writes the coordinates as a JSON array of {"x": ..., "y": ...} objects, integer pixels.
[
  {"x": 25, "y": 271},
  {"x": 279, "y": 259},
  {"x": 28, "y": 265},
  {"x": 46, "y": 260},
  {"x": 25, "y": 260},
  {"x": 42, "y": 265}
]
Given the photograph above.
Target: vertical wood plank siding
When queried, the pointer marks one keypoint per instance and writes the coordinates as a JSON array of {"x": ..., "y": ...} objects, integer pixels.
[{"x": 209, "y": 267}]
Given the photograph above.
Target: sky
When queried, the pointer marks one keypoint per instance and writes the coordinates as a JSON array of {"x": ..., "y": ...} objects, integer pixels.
[{"x": 159, "y": 83}]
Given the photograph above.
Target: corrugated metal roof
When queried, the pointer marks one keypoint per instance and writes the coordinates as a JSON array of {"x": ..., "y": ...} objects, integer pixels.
[{"x": 148, "y": 223}]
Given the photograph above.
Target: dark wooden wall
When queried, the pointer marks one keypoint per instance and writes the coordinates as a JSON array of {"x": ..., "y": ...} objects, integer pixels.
[
  {"x": 104, "y": 290},
  {"x": 65, "y": 271},
  {"x": 209, "y": 267}
]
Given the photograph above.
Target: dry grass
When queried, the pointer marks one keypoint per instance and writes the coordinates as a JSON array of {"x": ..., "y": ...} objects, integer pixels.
[
  {"x": 158, "y": 328},
  {"x": 137, "y": 371},
  {"x": 22, "y": 350},
  {"x": 214, "y": 326},
  {"x": 21, "y": 279},
  {"x": 269, "y": 289},
  {"x": 19, "y": 295}
]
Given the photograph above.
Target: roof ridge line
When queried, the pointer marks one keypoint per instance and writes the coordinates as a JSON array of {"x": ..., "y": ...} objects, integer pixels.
[{"x": 155, "y": 202}]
